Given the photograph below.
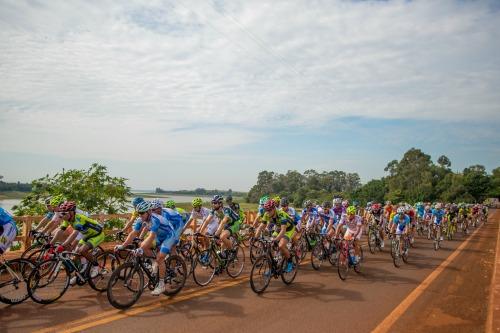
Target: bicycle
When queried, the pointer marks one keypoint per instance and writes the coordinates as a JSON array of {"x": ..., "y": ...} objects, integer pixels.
[
  {"x": 322, "y": 252},
  {"x": 40, "y": 240},
  {"x": 374, "y": 239},
  {"x": 436, "y": 231},
  {"x": 209, "y": 262},
  {"x": 271, "y": 264},
  {"x": 128, "y": 279},
  {"x": 347, "y": 259},
  {"x": 450, "y": 229},
  {"x": 50, "y": 279},
  {"x": 13, "y": 280},
  {"x": 399, "y": 255}
]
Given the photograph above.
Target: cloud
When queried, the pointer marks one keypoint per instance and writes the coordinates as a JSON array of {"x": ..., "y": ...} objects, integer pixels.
[{"x": 122, "y": 77}]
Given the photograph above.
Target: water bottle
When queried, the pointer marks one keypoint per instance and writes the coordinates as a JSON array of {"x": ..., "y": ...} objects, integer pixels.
[{"x": 69, "y": 265}]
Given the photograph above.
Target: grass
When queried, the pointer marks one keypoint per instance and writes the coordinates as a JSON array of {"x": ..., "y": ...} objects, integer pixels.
[{"x": 12, "y": 195}]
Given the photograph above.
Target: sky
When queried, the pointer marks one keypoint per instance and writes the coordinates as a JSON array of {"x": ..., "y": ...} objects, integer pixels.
[{"x": 184, "y": 94}]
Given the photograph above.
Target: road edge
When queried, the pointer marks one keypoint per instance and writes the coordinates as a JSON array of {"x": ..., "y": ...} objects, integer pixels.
[{"x": 494, "y": 311}]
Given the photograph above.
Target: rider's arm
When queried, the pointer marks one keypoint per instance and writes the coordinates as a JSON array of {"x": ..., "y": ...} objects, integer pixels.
[
  {"x": 148, "y": 241},
  {"x": 222, "y": 223},
  {"x": 205, "y": 223},
  {"x": 70, "y": 239},
  {"x": 42, "y": 223},
  {"x": 281, "y": 233}
]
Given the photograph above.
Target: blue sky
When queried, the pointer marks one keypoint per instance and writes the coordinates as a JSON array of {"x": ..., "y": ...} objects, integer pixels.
[{"x": 184, "y": 94}]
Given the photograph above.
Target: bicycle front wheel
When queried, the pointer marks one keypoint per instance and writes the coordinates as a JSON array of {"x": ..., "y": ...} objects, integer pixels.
[
  {"x": 13, "y": 280},
  {"x": 317, "y": 256},
  {"x": 175, "y": 276},
  {"x": 107, "y": 262},
  {"x": 204, "y": 267},
  {"x": 343, "y": 265},
  {"x": 372, "y": 241},
  {"x": 260, "y": 275},
  {"x": 125, "y": 285},
  {"x": 236, "y": 262},
  {"x": 49, "y": 281},
  {"x": 288, "y": 277}
]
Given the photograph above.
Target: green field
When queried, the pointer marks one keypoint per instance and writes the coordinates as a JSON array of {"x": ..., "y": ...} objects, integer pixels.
[{"x": 12, "y": 195}]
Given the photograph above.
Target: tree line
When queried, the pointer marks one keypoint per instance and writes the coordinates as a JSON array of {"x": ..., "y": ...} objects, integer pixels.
[
  {"x": 413, "y": 178},
  {"x": 201, "y": 192},
  {"x": 9, "y": 187}
]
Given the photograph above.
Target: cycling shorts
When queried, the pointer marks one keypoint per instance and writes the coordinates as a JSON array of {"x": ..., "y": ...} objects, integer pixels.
[
  {"x": 92, "y": 241},
  {"x": 7, "y": 236}
]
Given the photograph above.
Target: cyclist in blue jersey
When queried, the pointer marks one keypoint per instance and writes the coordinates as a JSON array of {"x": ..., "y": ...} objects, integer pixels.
[
  {"x": 437, "y": 217},
  {"x": 8, "y": 230},
  {"x": 400, "y": 224},
  {"x": 310, "y": 215}
]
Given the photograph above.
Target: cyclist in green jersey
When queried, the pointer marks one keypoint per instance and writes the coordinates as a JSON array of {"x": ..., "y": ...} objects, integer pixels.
[{"x": 286, "y": 229}]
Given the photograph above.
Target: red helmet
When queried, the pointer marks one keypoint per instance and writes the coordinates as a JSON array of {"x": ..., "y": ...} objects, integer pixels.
[
  {"x": 376, "y": 206},
  {"x": 67, "y": 206},
  {"x": 269, "y": 205}
]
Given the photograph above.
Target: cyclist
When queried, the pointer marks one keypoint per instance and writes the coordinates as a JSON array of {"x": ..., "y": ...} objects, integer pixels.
[
  {"x": 198, "y": 214},
  {"x": 327, "y": 217},
  {"x": 338, "y": 209},
  {"x": 286, "y": 229},
  {"x": 400, "y": 224},
  {"x": 48, "y": 216},
  {"x": 229, "y": 222},
  {"x": 161, "y": 233},
  {"x": 91, "y": 231},
  {"x": 171, "y": 204},
  {"x": 437, "y": 217},
  {"x": 310, "y": 216},
  {"x": 377, "y": 217},
  {"x": 354, "y": 224},
  {"x": 260, "y": 210},
  {"x": 52, "y": 219},
  {"x": 290, "y": 211},
  {"x": 8, "y": 230}
]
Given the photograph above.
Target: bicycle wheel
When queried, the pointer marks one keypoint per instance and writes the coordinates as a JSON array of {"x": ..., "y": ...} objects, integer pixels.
[
  {"x": 397, "y": 256},
  {"x": 343, "y": 265},
  {"x": 317, "y": 256},
  {"x": 30, "y": 250},
  {"x": 107, "y": 262},
  {"x": 333, "y": 258},
  {"x": 13, "y": 280},
  {"x": 39, "y": 255},
  {"x": 404, "y": 255},
  {"x": 304, "y": 247},
  {"x": 372, "y": 241},
  {"x": 260, "y": 275},
  {"x": 394, "y": 249},
  {"x": 204, "y": 267},
  {"x": 236, "y": 261},
  {"x": 49, "y": 281},
  {"x": 175, "y": 276},
  {"x": 288, "y": 277},
  {"x": 256, "y": 250},
  {"x": 125, "y": 285}
]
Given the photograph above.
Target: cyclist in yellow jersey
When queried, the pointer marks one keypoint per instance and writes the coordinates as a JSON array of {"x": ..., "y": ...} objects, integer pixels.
[{"x": 91, "y": 230}]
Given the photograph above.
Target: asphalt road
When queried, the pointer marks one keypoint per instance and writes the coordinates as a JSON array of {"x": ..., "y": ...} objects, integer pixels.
[{"x": 432, "y": 293}]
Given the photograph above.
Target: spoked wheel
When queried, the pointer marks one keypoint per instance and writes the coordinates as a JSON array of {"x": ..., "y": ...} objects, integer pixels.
[
  {"x": 396, "y": 255},
  {"x": 176, "y": 275},
  {"x": 304, "y": 247},
  {"x": 372, "y": 241},
  {"x": 394, "y": 248},
  {"x": 343, "y": 266},
  {"x": 49, "y": 281},
  {"x": 204, "y": 267},
  {"x": 256, "y": 250},
  {"x": 333, "y": 258},
  {"x": 107, "y": 262},
  {"x": 288, "y": 277},
  {"x": 260, "y": 275},
  {"x": 125, "y": 285},
  {"x": 236, "y": 261},
  {"x": 13, "y": 280},
  {"x": 404, "y": 255},
  {"x": 317, "y": 256}
]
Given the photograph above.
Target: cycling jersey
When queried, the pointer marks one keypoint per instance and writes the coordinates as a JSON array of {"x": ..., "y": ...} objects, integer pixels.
[
  {"x": 327, "y": 216},
  {"x": 175, "y": 219},
  {"x": 280, "y": 218},
  {"x": 438, "y": 215},
  {"x": 353, "y": 225},
  {"x": 420, "y": 211},
  {"x": 201, "y": 215},
  {"x": 6, "y": 218},
  {"x": 312, "y": 216},
  {"x": 85, "y": 225},
  {"x": 401, "y": 223}
]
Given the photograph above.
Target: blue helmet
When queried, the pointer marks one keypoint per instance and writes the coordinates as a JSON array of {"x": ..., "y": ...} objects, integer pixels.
[
  {"x": 136, "y": 201},
  {"x": 143, "y": 206}
]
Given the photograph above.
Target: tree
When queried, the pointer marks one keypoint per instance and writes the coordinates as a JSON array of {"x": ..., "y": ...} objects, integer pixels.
[
  {"x": 495, "y": 183},
  {"x": 476, "y": 182},
  {"x": 444, "y": 162},
  {"x": 93, "y": 190}
]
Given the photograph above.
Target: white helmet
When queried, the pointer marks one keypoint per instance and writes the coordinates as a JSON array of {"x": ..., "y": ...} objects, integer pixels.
[
  {"x": 337, "y": 201},
  {"x": 400, "y": 210},
  {"x": 156, "y": 203}
]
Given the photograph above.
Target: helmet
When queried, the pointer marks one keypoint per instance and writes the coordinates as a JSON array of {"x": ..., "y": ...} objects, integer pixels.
[
  {"x": 143, "y": 207},
  {"x": 263, "y": 200},
  {"x": 401, "y": 210},
  {"x": 351, "y": 210},
  {"x": 376, "y": 206},
  {"x": 269, "y": 205},
  {"x": 337, "y": 201},
  {"x": 197, "y": 202},
  {"x": 170, "y": 204},
  {"x": 277, "y": 200},
  {"x": 388, "y": 202},
  {"x": 57, "y": 200},
  {"x": 217, "y": 199},
  {"x": 355, "y": 203},
  {"x": 136, "y": 201},
  {"x": 345, "y": 203},
  {"x": 229, "y": 198},
  {"x": 284, "y": 201},
  {"x": 326, "y": 204},
  {"x": 47, "y": 201},
  {"x": 427, "y": 207},
  {"x": 157, "y": 203},
  {"x": 439, "y": 205},
  {"x": 407, "y": 208},
  {"x": 369, "y": 204},
  {"x": 67, "y": 206},
  {"x": 307, "y": 203}
]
